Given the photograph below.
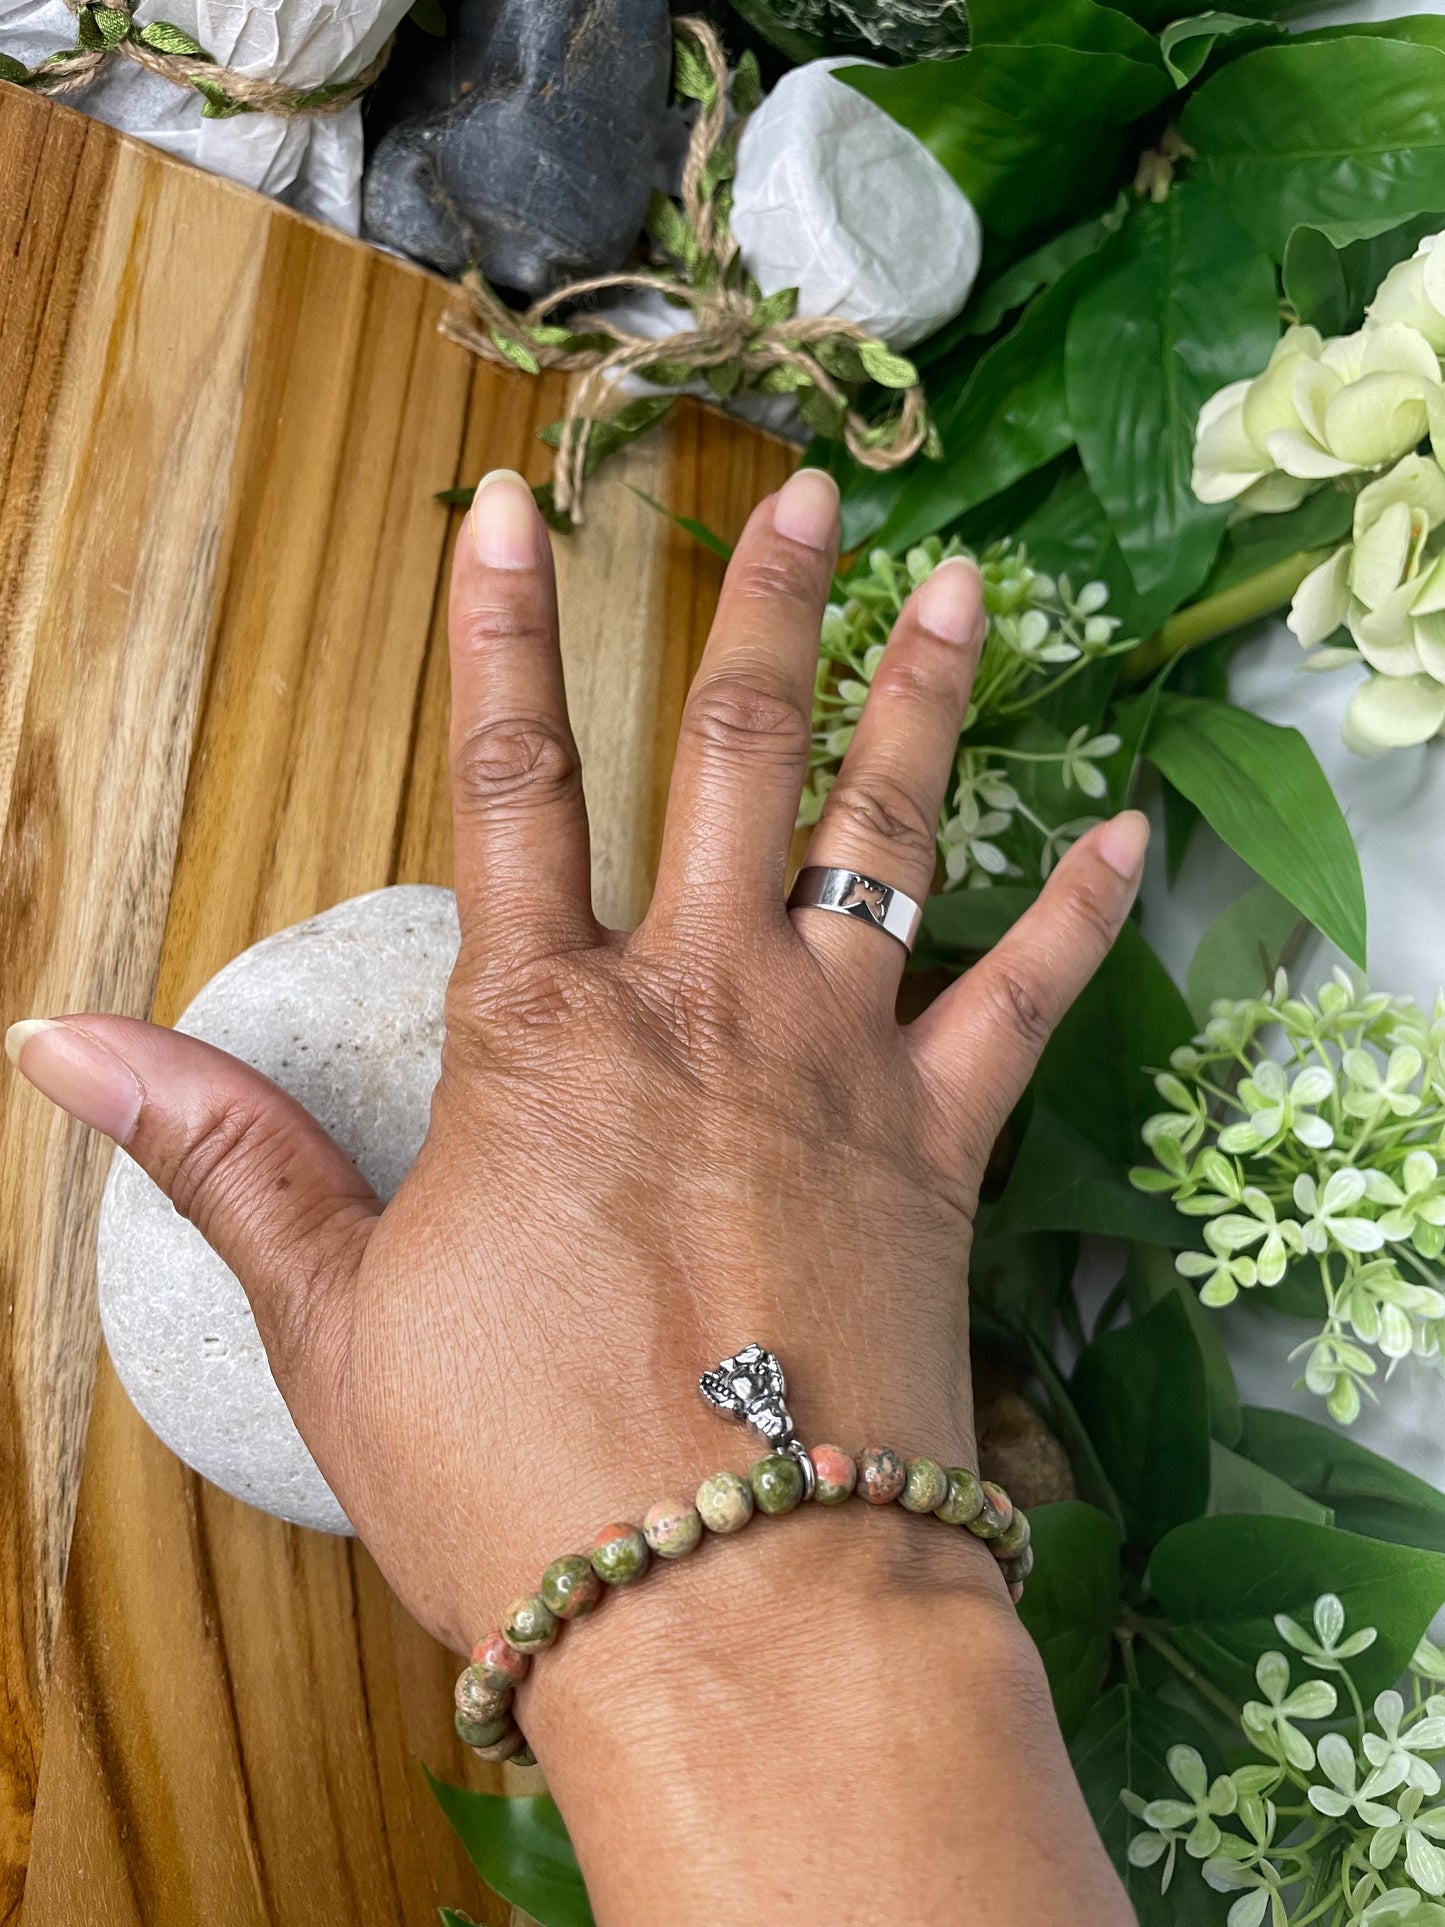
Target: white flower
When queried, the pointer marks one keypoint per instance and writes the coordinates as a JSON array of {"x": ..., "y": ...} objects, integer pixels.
[
  {"x": 1424, "y": 1862},
  {"x": 1395, "y": 1756},
  {"x": 1327, "y": 1218},
  {"x": 1278, "y": 1107},
  {"x": 1327, "y": 1646},
  {"x": 1198, "y": 1810},
  {"x": 1372, "y": 1091},
  {"x": 1413, "y": 292},
  {"x": 1278, "y": 1241},
  {"x": 1224, "y": 1277},
  {"x": 1080, "y": 753},
  {"x": 1336, "y": 1760},
  {"x": 1271, "y": 1726},
  {"x": 1362, "y": 403},
  {"x": 1232, "y": 461}
]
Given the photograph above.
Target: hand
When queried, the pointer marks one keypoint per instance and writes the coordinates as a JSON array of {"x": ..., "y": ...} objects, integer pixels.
[{"x": 645, "y": 1149}]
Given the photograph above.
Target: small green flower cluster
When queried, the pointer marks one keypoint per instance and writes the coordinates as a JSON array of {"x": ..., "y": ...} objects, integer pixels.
[
  {"x": 1346, "y": 1827},
  {"x": 1313, "y": 1132},
  {"x": 1040, "y": 635}
]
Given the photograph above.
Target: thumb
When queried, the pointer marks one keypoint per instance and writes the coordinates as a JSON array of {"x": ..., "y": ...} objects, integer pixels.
[{"x": 256, "y": 1175}]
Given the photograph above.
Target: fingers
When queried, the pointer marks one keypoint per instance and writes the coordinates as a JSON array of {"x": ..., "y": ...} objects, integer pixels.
[
  {"x": 523, "y": 868},
  {"x": 881, "y": 816},
  {"x": 743, "y": 749},
  {"x": 258, "y": 1177},
  {"x": 982, "y": 1038}
]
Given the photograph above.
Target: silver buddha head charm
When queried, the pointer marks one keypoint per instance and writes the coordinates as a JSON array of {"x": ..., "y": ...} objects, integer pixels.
[{"x": 750, "y": 1386}]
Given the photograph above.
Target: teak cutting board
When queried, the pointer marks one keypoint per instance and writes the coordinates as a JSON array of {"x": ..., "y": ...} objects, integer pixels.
[{"x": 222, "y": 708}]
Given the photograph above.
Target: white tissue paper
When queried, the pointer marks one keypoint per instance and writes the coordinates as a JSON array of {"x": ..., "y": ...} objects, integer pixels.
[
  {"x": 311, "y": 163},
  {"x": 834, "y": 198}
]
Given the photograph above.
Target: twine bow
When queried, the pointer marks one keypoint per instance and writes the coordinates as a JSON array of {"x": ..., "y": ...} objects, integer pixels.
[
  {"x": 164, "y": 49},
  {"x": 740, "y": 339}
]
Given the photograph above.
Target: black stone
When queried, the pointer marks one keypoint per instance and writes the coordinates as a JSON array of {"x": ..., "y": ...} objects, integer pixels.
[{"x": 526, "y": 140}]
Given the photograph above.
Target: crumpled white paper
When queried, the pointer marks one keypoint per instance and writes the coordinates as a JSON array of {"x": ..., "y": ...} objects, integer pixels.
[
  {"x": 834, "y": 198},
  {"x": 311, "y": 163}
]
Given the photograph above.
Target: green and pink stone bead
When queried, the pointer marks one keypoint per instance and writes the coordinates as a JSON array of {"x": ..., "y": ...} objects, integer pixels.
[{"x": 575, "y": 1584}]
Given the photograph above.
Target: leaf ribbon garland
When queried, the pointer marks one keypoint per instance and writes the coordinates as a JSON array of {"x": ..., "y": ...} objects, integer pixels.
[
  {"x": 165, "y": 49},
  {"x": 739, "y": 339}
]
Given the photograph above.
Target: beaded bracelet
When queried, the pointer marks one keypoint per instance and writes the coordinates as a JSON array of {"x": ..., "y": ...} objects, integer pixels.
[{"x": 750, "y": 1387}]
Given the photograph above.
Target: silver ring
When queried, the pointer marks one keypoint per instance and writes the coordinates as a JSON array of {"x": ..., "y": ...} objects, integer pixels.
[{"x": 852, "y": 895}]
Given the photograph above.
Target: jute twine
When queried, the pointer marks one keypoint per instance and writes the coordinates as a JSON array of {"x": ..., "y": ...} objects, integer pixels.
[
  {"x": 110, "y": 30},
  {"x": 725, "y": 308}
]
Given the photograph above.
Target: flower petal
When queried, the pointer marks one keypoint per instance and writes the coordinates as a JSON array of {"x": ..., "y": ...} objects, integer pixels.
[{"x": 1393, "y": 712}]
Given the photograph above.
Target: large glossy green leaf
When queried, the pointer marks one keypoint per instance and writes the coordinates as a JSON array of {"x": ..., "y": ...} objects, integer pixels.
[
  {"x": 1221, "y": 1581},
  {"x": 1037, "y": 84},
  {"x": 1260, "y": 541},
  {"x": 1261, "y": 789},
  {"x": 1040, "y": 268},
  {"x": 1071, "y": 1602},
  {"x": 1188, "y": 44},
  {"x": 1338, "y": 130},
  {"x": 1330, "y": 276},
  {"x": 966, "y": 921},
  {"x": 520, "y": 1848},
  {"x": 1069, "y": 534},
  {"x": 1238, "y": 954},
  {"x": 1125, "y": 1742},
  {"x": 1184, "y": 302},
  {"x": 1097, "y": 1070},
  {"x": 1141, "y": 1393},
  {"x": 1366, "y": 1493},
  {"x": 1237, "y": 1484},
  {"x": 1062, "y": 1182},
  {"x": 1149, "y": 1275}
]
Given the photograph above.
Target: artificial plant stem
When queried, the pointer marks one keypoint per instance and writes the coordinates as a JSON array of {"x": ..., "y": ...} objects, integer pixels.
[
  {"x": 1258, "y": 595},
  {"x": 1191, "y": 1675}
]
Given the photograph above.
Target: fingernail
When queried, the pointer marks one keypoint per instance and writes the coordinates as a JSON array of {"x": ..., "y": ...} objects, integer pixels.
[
  {"x": 1123, "y": 841},
  {"x": 949, "y": 604},
  {"x": 76, "y": 1073},
  {"x": 806, "y": 510},
  {"x": 504, "y": 521}
]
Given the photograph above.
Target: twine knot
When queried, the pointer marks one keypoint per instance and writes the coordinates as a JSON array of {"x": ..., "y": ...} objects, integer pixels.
[{"x": 738, "y": 339}]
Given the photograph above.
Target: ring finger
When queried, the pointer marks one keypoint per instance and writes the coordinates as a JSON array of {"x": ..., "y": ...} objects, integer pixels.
[{"x": 880, "y": 818}]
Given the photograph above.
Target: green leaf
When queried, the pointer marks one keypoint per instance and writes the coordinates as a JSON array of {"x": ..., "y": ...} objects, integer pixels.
[
  {"x": 1237, "y": 1484},
  {"x": 773, "y": 308},
  {"x": 167, "y": 38},
  {"x": 973, "y": 920},
  {"x": 1183, "y": 305},
  {"x": 1240, "y": 951},
  {"x": 1187, "y": 44},
  {"x": 1142, "y": 1395},
  {"x": 1003, "y": 419},
  {"x": 516, "y": 352},
  {"x": 1061, "y": 1181},
  {"x": 1018, "y": 1284},
  {"x": 520, "y": 1848},
  {"x": 1125, "y": 1742},
  {"x": 1330, "y": 274},
  {"x": 13, "y": 70},
  {"x": 886, "y": 368},
  {"x": 114, "y": 25},
  {"x": 1258, "y": 542},
  {"x": 1097, "y": 1069},
  {"x": 1071, "y": 1601},
  {"x": 1367, "y": 1494},
  {"x": 699, "y": 531},
  {"x": 1090, "y": 1478},
  {"x": 1339, "y": 129},
  {"x": 1000, "y": 117},
  {"x": 667, "y": 224},
  {"x": 746, "y": 91},
  {"x": 1149, "y": 1276},
  {"x": 1221, "y": 1581},
  {"x": 1069, "y": 534},
  {"x": 1261, "y": 789},
  {"x": 429, "y": 16},
  {"x": 1039, "y": 269},
  {"x": 219, "y": 104}
]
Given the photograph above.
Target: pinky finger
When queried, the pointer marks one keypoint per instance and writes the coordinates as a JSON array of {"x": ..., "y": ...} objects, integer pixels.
[{"x": 979, "y": 1043}]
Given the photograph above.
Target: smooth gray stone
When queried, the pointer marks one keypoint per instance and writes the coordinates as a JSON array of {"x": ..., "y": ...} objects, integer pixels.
[
  {"x": 345, "y": 1012},
  {"x": 527, "y": 139}
]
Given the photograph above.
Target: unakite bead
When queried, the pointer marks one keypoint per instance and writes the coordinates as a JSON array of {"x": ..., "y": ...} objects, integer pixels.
[
  {"x": 478, "y": 1702},
  {"x": 725, "y": 1502},
  {"x": 498, "y": 1665},
  {"x": 620, "y": 1555},
  {"x": 673, "y": 1528},
  {"x": 570, "y": 1587},
  {"x": 777, "y": 1483},
  {"x": 1014, "y": 1538},
  {"x": 925, "y": 1488},
  {"x": 511, "y": 1746},
  {"x": 530, "y": 1624},
  {"x": 1015, "y": 1571},
  {"x": 965, "y": 1497},
  {"x": 881, "y": 1474},
  {"x": 835, "y": 1474},
  {"x": 480, "y": 1733},
  {"x": 524, "y": 1756},
  {"x": 994, "y": 1515}
]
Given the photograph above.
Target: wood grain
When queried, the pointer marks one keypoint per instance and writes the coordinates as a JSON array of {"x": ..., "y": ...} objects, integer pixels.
[{"x": 222, "y": 708}]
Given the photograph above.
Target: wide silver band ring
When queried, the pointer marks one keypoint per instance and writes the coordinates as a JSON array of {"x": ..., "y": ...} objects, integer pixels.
[{"x": 853, "y": 895}]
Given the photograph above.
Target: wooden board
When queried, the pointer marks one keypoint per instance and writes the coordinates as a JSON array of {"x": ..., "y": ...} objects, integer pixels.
[{"x": 222, "y": 708}]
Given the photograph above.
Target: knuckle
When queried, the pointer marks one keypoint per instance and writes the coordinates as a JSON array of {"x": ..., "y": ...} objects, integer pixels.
[
  {"x": 777, "y": 575},
  {"x": 734, "y": 714},
  {"x": 886, "y": 811},
  {"x": 515, "y": 756},
  {"x": 1093, "y": 918},
  {"x": 1019, "y": 1005},
  {"x": 488, "y": 624},
  {"x": 234, "y": 1149}
]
